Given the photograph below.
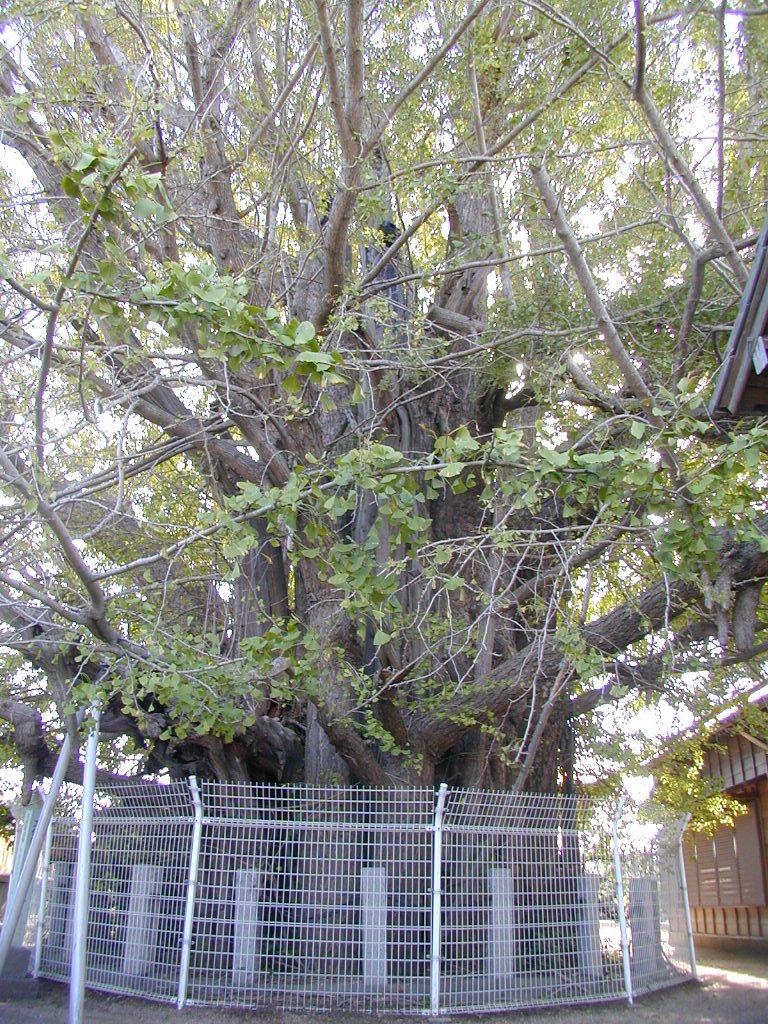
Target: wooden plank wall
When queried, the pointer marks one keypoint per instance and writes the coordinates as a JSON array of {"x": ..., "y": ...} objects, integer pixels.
[
  {"x": 735, "y": 760},
  {"x": 727, "y": 872}
]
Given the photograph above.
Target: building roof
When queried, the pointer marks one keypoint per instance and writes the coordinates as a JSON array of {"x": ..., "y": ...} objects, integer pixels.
[
  {"x": 738, "y": 750},
  {"x": 742, "y": 384}
]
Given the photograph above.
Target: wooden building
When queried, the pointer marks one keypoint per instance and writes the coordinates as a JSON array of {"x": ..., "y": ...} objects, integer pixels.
[
  {"x": 742, "y": 384},
  {"x": 726, "y": 871}
]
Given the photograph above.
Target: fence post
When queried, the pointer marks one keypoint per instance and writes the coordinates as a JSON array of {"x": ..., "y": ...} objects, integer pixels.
[
  {"x": 17, "y": 898},
  {"x": 189, "y": 910},
  {"x": 373, "y": 905},
  {"x": 620, "y": 900},
  {"x": 83, "y": 876},
  {"x": 684, "y": 896},
  {"x": 142, "y": 921},
  {"x": 588, "y": 931},
  {"x": 246, "y": 946},
  {"x": 437, "y": 868},
  {"x": 26, "y": 822},
  {"x": 43, "y": 898}
]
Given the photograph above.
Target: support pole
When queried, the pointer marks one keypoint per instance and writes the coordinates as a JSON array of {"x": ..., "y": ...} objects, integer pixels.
[
  {"x": 26, "y": 818},
  {"x": 18, "y": 898},
  {"x": 503, "y": 926},
  {"x": 83, "y": 876},
  {"x": 588, "y": 929},
  {"x": 684, "y": 897},
  {"x": 26, "y": 823},
  {"x": 189, "y": 910},
  {"x": 437, "y": 866},
  {"x": 41, "y": 906},
  {"x": 645, "y": 917},
  {"x": 620, "y": 901}
]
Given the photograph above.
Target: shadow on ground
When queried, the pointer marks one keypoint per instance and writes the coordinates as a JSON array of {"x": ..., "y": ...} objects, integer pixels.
[{"x": 733, "y": 989}]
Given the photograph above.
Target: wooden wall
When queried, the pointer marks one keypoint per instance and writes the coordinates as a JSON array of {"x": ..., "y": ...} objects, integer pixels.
[
  {"x": 736, "y": 760},
  {"x": 726, "y": 872}
]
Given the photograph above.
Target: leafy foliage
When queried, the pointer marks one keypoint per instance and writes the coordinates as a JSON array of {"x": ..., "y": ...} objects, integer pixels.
[{"x": 356, "y": 379}]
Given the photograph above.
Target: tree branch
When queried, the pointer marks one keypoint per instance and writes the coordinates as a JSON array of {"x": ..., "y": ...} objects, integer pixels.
[
  {"x": 429, "y": 66},
  {"x": 583, "y": 274},
  {"x": 638, "y": 83},
  {"x": 17, "y": 477},
  {"x": 58, "y": 300},
  {"x": 338, "y": 106},
  {"x": 355, "y": 81},
  {"x": 671, "y": 152},
  {"x": 655, "y": 607}
]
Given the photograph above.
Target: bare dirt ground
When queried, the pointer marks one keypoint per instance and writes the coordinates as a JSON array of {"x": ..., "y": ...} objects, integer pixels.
[{"x": 732, "y": 989}]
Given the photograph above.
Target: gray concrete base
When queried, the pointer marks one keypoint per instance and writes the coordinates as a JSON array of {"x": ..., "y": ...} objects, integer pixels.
[
  {"x": 14, "y": 982},
  {"x": 731, "y": 943}
]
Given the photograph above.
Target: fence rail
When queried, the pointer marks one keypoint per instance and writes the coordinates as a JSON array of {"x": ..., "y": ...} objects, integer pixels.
[{"x": 389, "y": 900}]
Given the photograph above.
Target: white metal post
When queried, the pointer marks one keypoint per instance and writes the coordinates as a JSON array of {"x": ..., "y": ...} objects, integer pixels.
[
  {"x": 43, "y": 898},
  {"x": 17, "y": 899},
  {"x": 25, "y": 834},
  {"x": 684, "y": 897},
  {"x": 189, "y": 911},
  {"x": 26, "y": 821},
  {"x": 437, "y": 868},
  {"x": 620, "y": 901},
  {"x": 83, "y": 875}
]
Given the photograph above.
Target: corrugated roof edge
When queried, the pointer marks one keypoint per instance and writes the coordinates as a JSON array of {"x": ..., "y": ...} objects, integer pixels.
[{"x": 728, "y": 369}]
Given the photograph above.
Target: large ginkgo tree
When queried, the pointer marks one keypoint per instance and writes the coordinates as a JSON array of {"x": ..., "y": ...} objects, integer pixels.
[{"x": 356, "y": 360}]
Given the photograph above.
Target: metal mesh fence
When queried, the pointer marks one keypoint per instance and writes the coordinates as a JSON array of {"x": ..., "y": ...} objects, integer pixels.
[
  {"x": 306, "y": 897},
  {"x": 139, "y": 867},
  {"x": 521, "y": 912},
  {"x": 312, "y": 896}
]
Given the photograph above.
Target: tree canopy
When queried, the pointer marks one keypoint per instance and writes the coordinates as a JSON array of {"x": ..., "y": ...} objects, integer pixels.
[{"x": 356, "y": 359}]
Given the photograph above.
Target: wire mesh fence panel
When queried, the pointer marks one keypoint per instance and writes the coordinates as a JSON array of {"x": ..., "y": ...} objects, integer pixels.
[
  {"x": 305, "y": 897},
  {"x": 660, "y": 952},
  {"x": 521, "y": 908},
  {"x": 600, "y": 879},
  {"x": 673, "y": 896},
  {"x": 58, "y": 912},
  {"x": 140, "y": 843},
  {"x": 313, "y": 897}
]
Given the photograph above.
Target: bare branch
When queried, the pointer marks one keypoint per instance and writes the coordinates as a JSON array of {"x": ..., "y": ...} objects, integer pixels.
[
  {"x": 338, "y": 105},
  {"x": 584, "y": 276},
  {"x": 17, "y": 477},
  {"x": 672, "y": 153},
  {"x": 638, "y": 83}
]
